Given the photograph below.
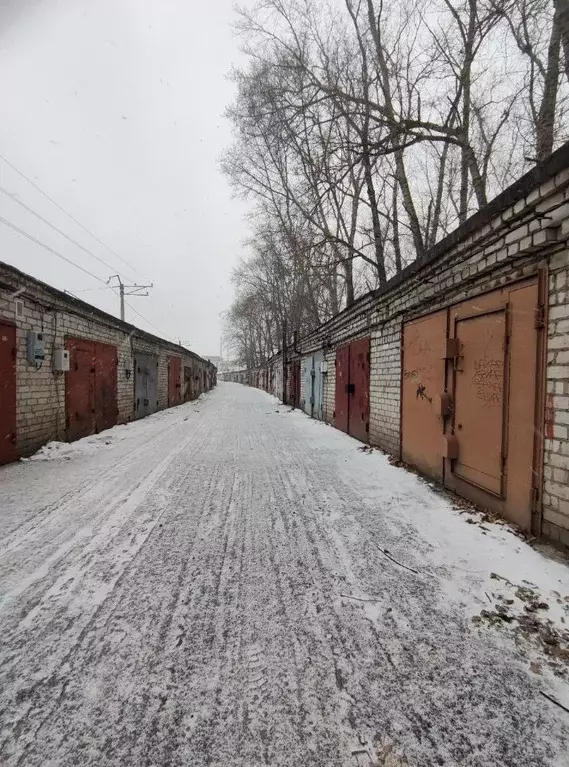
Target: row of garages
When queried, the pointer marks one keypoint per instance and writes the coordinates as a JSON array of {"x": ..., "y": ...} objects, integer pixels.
[
  {"x": 460, "y": 366},
  {"x": 68, "y": 370}
]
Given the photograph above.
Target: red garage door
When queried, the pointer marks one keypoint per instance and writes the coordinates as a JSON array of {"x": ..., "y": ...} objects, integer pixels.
[
  {"x": 105, "y": 386},
  {"x": 352, "y": 389},
  {"x": 80, "y": 389},
  {"x": 8, "y": 450},
  {"x": 174, "y": 381},
  {"x": 358, "y": 425},
  {"x": 90, "y": 388},
  {"x": 342, "y": 388}
]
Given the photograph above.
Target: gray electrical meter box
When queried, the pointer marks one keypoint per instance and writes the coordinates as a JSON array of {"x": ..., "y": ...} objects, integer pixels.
[
  {"x": 36, "y": 347},
  {"x": 61, "y": 360}
]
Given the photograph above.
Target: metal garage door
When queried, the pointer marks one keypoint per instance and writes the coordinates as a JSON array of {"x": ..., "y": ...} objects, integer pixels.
[
  {"x": 352, "y": 388},
  {"x": 358, "y": 420},
  {"x": 479, "y": 399},
  {"x": 318, "y": 378},
  {"x": 470, "y": 396},
  {"x": 105, "y": 386},
  {"x": 90, "y": 388},
  {"x": 188, "y": 386},
  {"x": 174, "y": 381},
  {"x": 424, "y": 347},
  {"x": 145, "y": 385},
  {"x": 8, "y": 449},
  {"x": 308, "y": 370},
  {"x": 341, "y": 408},
  {"x": 80, "y": 389}
]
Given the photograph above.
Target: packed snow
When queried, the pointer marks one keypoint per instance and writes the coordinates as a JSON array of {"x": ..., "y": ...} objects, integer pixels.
[{"x": 230, "y": 583}]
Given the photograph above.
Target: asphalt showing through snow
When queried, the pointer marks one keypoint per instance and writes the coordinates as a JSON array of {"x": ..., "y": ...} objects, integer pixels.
[{"x": 206, "y": 589}]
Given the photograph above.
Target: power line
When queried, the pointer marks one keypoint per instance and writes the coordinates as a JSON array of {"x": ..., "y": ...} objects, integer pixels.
[
  {"x": 52, "y": 226},
  {"x": 162, "y": 333},
  {"x": 51, "y": 250},
  {"x": 62, "y": 209},
  {"x": 77, "y": 266}
]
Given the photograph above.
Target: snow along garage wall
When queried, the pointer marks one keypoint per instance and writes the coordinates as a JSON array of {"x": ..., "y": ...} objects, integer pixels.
[{"x": 46, "y": 402}]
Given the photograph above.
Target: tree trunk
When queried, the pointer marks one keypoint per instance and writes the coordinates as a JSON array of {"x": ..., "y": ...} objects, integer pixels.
[
  {"x": 349, "y": 274},
  {"x": 396, "y": 241},
  {"x": 377, "y": 236},
  {"x": 401, "y": 174},
  {"x": 546, "y": 118},
  {"x": 562, "y": 11}
]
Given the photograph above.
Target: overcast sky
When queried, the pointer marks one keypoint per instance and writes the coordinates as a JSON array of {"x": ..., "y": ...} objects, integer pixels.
[{"x": 114, "y": 108}]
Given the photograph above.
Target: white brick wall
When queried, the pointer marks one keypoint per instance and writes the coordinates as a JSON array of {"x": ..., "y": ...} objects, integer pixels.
[{"x": 556, "y": 448}]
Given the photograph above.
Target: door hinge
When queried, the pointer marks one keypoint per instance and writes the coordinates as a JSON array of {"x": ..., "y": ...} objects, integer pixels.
[
  {"x": 367, "y": 427},
  {"x": 535, "y": 499},
  {"x": 539, "y": 317},
  {"x": 369, "y": 356}
]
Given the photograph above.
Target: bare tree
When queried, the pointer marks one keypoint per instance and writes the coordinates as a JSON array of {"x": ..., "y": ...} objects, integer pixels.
[{"x": 364, "y": 130}]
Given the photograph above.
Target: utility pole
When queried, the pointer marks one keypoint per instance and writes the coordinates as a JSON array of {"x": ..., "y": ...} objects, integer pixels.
[{"x": 134, "y": 290}]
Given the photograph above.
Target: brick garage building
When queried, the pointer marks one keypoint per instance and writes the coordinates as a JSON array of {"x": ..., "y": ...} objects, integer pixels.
[
  {"x": 117, "y": 372},
  {"x": 466, "y": 369}
]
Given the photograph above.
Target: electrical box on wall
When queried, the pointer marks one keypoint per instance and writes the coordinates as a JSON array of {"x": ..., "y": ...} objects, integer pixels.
[
  {"x": 36, "y": 347},
  {"x": 61, "y": 360}
]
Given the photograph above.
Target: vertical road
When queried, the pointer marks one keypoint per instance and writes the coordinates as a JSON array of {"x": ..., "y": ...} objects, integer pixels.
[{"x": 206, "y": 589}]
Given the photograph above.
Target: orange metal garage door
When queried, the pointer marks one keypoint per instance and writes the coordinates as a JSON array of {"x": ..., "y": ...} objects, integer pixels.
[
  {"x": 494, "y": 387},
  {"x": 470, "y": 391},
  {"x": 424, "y": 343}
]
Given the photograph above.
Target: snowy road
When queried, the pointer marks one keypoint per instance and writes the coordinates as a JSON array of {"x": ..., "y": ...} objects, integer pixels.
[{"x": 207, "y": 589}]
